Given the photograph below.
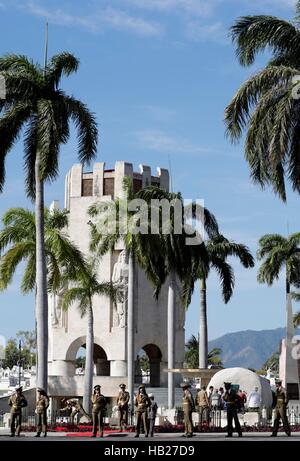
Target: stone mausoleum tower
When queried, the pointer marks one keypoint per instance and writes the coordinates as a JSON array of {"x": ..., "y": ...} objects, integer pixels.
[{"x": 67, "y": 330}]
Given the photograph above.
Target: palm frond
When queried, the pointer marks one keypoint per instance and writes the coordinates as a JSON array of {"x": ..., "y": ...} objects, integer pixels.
[
  {"x": 253, "y": 34},
  {"x": 61, "y": 64}
]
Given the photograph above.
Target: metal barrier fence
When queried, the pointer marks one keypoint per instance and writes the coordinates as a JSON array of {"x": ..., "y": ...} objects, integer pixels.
[{"x": 217, "y": 418}]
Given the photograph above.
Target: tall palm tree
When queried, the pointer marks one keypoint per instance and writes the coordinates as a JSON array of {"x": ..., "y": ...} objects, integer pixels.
[
  {"x": 18, "y": 245},
  {"x": 173, "y": 258},
  {"x": 36, "y": 104},
  {"x": 192, "y": 354},
  {"x": 218, "y": 249},
  {"x": 266, "y": 106},
  {"x": 84, "y": 287},
  {"x": 296, "y": 296},
  {"x": 277, "y": 253}
]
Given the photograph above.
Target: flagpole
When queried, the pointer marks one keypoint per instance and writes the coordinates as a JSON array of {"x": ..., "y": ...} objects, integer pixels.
[{"x": 46, "y": 48}]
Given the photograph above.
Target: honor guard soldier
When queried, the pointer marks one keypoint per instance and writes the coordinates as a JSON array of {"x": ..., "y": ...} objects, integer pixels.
[
  {"x": 281, "y": 401},
  {"x": 42, "y": 403},
  {"x": 17, "y": 401},
  {"x": 232, "y": 400},
  {"x": 152, "y": 411},
  {"x": 122, "y": 402},
  {"x": 98, "y": 408},
  {"x": 142, "y": 402},
  {"x": 75, "y": 407},
  {"x": 188, "y": 405}
]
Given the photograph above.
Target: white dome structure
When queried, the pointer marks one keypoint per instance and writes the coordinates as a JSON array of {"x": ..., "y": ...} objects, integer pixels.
[{"x": 247, "y": 381}]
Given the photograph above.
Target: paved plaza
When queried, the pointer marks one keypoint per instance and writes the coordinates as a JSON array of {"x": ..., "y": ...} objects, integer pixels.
[{"x": 163, "y": 437}]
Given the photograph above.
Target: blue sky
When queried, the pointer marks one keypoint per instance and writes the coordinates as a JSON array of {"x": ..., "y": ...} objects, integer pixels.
[{"x": 158, "y": 74}]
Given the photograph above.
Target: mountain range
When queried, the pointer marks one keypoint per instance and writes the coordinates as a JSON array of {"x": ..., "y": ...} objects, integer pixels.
[{"x": 249, "y": 348}]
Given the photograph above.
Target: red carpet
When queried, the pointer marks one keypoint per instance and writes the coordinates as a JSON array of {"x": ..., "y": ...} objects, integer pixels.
[{"x": 88, "y": 434}]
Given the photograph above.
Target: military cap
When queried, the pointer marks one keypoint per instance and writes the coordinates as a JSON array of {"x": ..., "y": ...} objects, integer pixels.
[
  {"x": 39, "y": 389},
  {"x": 185, "y": 385},
  {"x": 227, "y": 384},
  {"x": 122, "y": 385},
  {"x": 19, "y": 388},
  {"x": 142, "y": 386},
  {"x": 278, "y": 381},
  {"x": 97, "y": 386}
]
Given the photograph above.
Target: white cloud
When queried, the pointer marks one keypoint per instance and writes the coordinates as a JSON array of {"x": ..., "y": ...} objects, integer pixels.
[
  {"x": 193, "y": 7},
  {"x": 97, "y": 21},
  {"x": 123, "y": 21},
  {"x": 206, "y": 32},
  {"x": 159, "y": 141}
]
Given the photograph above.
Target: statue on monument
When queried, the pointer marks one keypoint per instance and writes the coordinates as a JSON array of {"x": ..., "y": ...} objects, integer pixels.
[
  {"x": 120, "y": 277},
  {"x": 56, "y": 309}
]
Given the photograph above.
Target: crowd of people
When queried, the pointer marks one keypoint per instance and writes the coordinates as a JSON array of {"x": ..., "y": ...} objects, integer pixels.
[
  {"x": 213, "y": 399},
  {"x": 229, "y": 398}
]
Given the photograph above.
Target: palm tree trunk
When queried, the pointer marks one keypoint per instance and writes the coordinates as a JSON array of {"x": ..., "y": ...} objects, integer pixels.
[
  {"x": 130, "y": 328},
  {"x": 171, "y": 339},
  {"x": 41, "y": 282},
  {"x": 287, "y": 286},
  {"x": 89, "y": 360},
  {"x": 203, "y": 346}
]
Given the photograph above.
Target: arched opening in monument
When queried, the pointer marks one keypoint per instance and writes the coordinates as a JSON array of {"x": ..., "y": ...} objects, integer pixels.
[
  {"x": 147, "y": 365},
  {"x": 101, "y": 364}
]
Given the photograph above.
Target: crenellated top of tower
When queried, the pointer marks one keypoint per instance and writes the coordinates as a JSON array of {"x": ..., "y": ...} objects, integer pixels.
[{"x": 102, "y": 182}]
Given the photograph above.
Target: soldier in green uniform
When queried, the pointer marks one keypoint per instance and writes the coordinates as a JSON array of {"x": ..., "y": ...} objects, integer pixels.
[
  {"x": 281, "y": 400},
  {"x": 231, "y": 399},
  {"x": 142, "y": 402},
  {"x": 188, "y": 405},
  {"x": 42, "y": 403},
  {"x": 16, "y": 401},
  {"x": 122, "y": 402},
  {"x": 75, "y": 407},
  {"x": 98, "y": 407}
]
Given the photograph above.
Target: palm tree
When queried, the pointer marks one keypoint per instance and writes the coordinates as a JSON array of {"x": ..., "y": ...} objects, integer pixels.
[
  {"x": 266, "y": 106},
  {"x": 277, "y": 253},
  {"x": 85, "y": 286},
  {"x": 18, "y": 245},
  {"x": 36, "y": 104},
  {"x": 192, "y": 354},
  {"x": 172, "y": 258},
  {"x": 218, "y": 249},
  {"x": 296, "y": 296}
]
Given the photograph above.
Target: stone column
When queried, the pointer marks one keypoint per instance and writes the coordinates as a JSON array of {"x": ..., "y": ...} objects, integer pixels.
[
  {"x": 63, "y": 368},
  {"x": 130, "y": 328},
  {"x": 121, "y": 169},
  {"x": 164, "y": 179},
  {"x": 76, "y": 181},
  {"x": 118, "y": 368},
  {"x": 146, "y": 175},
  {"x": 291, "y": 365},
  {"x": 98, "y": 177},
  {"x": 171, "y": 340}
]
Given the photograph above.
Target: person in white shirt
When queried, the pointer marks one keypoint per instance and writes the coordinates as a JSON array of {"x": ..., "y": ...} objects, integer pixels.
[{"x": 254, "y": 400}]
